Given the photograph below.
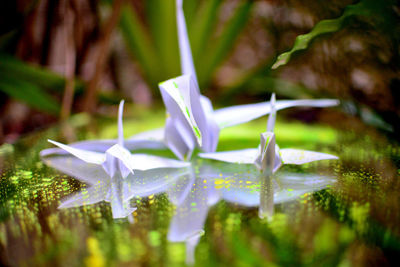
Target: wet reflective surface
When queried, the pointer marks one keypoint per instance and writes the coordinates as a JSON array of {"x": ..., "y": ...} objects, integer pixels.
[{"x": 211, "y": 213}]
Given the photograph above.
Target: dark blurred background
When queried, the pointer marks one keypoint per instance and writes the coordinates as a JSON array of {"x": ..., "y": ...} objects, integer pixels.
[{"x": 59, "y": 57}]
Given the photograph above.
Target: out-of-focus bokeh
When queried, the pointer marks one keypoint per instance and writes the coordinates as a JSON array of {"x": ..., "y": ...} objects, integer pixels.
[{"x": 62, "y": 57}]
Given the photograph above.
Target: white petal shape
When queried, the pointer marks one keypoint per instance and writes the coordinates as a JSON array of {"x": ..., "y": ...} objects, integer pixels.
[
  {"x": 87, "y": 156},
  {"x": 234, "y": 115},
  {"x": 298, "y": 156},
  {"x": 185, "y": 52},
  {"x": 182, "y": 101},
  {"x": 244, "y": 156}
]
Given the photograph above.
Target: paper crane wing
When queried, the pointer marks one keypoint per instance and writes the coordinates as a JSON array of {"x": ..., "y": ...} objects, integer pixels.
[
  {"x": 244, "y": 156},
  {"x": 234, "y": 115},
  {"x": 87, "y": 156},
  {"x": 298, "y": 156}
]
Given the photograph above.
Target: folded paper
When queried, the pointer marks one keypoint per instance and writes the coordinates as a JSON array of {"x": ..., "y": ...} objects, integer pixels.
[
  {"x": 119, "y": 159},
  {"x": 268, "y": 157},
  {"x": 192, "y": 121}
]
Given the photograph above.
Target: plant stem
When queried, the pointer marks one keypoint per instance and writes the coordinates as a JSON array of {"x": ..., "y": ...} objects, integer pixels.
[
  {"x": 70, "y": 57},
  {"x": 89, "y": 102}
]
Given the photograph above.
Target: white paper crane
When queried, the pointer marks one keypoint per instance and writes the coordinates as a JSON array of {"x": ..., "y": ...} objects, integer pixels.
[
  {"x": 268, "y": 157},
  {"x": 192, "y": 121},
  {"x": 117, "y": 159}
]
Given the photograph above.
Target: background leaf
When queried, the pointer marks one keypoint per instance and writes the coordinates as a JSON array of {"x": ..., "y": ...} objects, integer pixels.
[
  {"x": 221, "y": 47},
  {"x": 30, "y": 94},
  {"x": 140, "y": 45},
  {"x": 379, "y": 11}
]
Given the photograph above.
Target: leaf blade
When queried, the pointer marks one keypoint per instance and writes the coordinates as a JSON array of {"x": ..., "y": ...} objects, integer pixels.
[{"x": 29, "y": 93}]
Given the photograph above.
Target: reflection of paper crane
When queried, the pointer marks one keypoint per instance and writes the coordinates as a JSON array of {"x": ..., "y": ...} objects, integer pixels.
[
  {"x": 196, "y": 192},
  {"x": 268, "y": 158},
  {"x": 117, "y": 191},
  {"x": 192, "y": 121},
  {"x": 106, "y": 171}
]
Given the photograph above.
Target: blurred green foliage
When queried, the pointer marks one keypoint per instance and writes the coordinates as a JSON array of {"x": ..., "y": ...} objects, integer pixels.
[
  {"x": 380, "y": 13},
  {"x": 156, "y": 49},
  {"x": 29, "y": 84},
  {"x": 356, "y": 215}
]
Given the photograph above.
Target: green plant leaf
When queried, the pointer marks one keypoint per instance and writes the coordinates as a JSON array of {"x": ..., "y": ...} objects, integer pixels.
[
  {"x": 201, "y": 28},
  {"x": 378, "y": 11},
  {"x": 12, "y": 67},
  {"x": 29, "y": 93},
  {"x": 161, "y": 15},
  {"x": 218, "y": 51},
  {"x": 140, "y": 45},
  {"x": 45, "y": 79},
  {"x": 190, "y": 9}
]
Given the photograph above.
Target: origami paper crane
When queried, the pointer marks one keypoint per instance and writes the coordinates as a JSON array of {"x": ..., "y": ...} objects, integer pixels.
[
  {"x": 192, "y": 121},
  {"x": 268, "y": 158},
  {"x": 150, "y": 140},
  {"x": 117, "y": 191},
  {"x": 117, "y": 159},
  {"x": 196, "y": 192},
  {"x": 116, "y": 175}
]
